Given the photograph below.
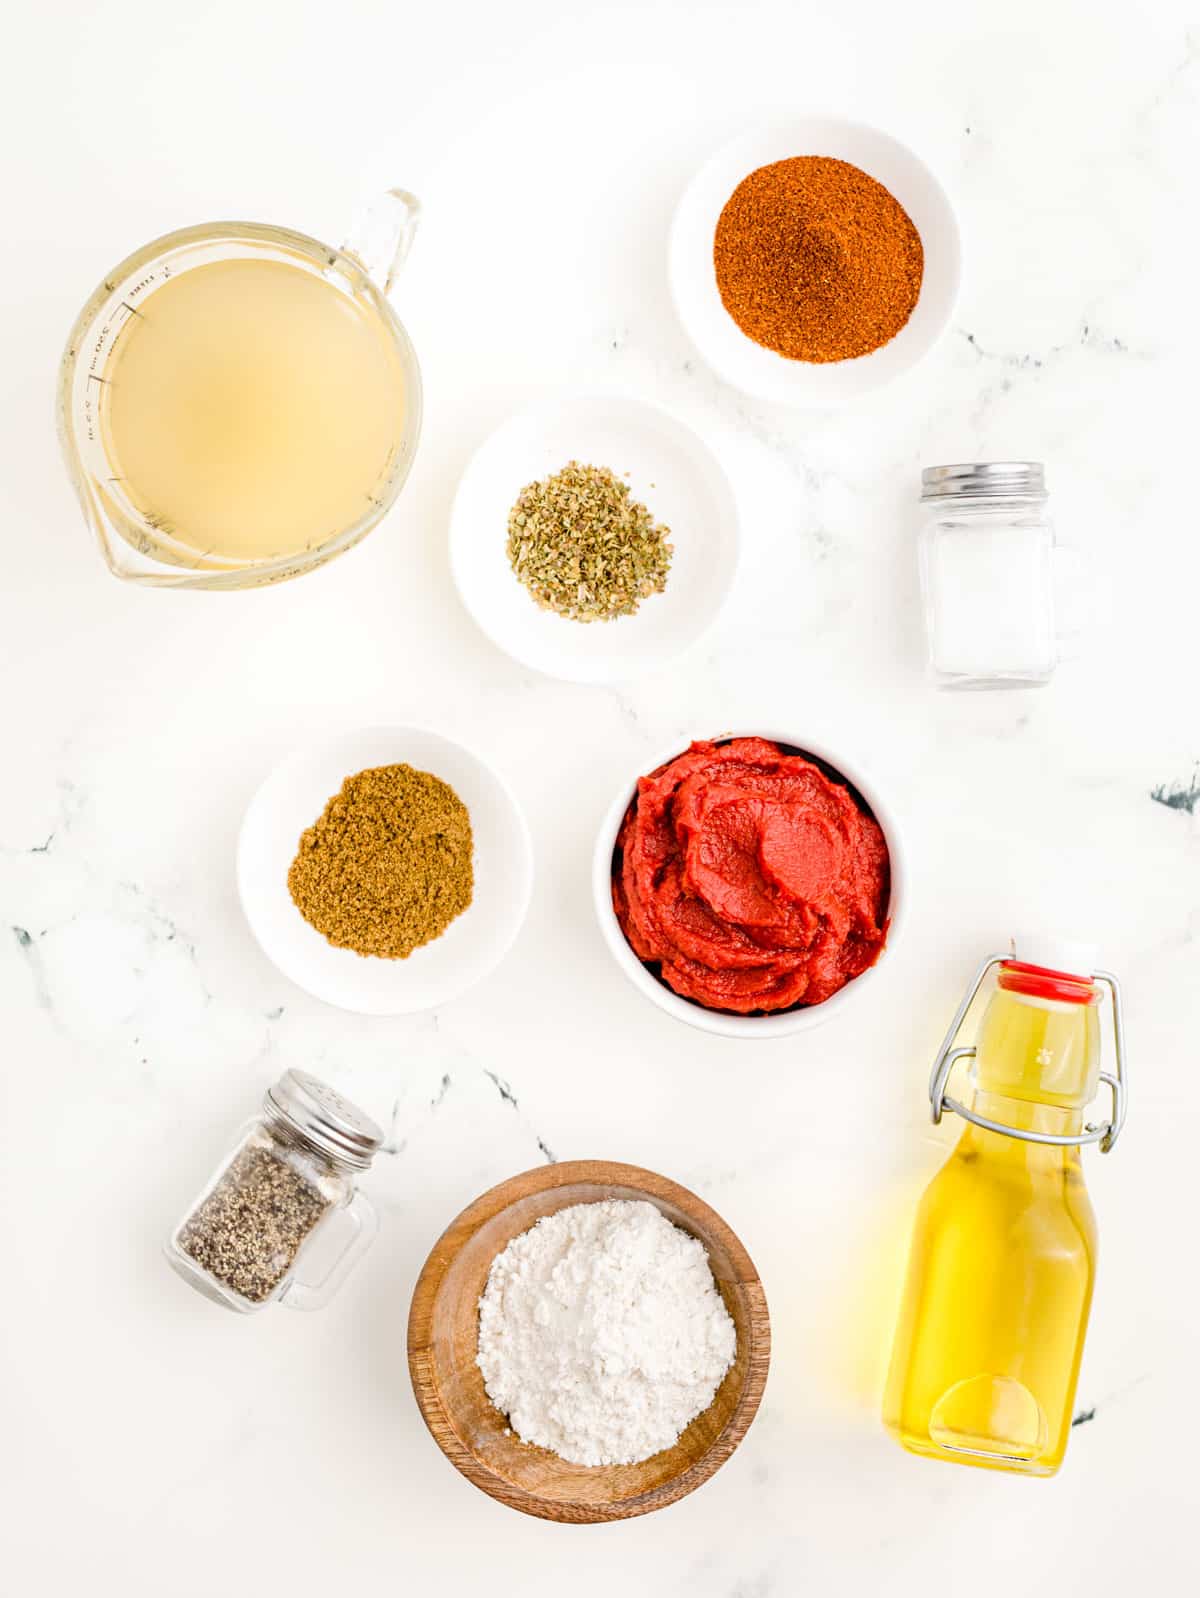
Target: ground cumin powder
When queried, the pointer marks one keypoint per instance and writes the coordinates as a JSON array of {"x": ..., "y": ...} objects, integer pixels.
[
  {"x": 388, "y": 865},
  {"x": 816, "y": 260}
]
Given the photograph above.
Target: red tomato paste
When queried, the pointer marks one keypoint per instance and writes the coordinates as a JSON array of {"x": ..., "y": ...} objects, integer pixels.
[{"x": 750, "y": 878}]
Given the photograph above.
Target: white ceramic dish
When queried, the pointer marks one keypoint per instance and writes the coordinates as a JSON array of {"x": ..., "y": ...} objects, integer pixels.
[
  {"x": 292, "y": 798},
  {"x": 762, "y": 372},
  {"x": 674, "y": 475},
  {"x": 719, "y": 1021}
]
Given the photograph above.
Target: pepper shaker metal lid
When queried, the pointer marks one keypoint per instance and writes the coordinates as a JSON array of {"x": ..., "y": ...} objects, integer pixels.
[
  {"x": 323, "y": 1119},
  {"x": 985, "y": 480}
]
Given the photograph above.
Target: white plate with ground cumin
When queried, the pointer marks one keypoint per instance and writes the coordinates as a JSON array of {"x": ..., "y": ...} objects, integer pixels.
[
  {"x": 753, "y": 367},
  {"x": 674, "y": 484},
  {"x": 292, "y": 800}
]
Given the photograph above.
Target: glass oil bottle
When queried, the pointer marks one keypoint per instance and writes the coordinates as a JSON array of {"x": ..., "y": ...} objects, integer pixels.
[{"x": 995, "y": 1308}]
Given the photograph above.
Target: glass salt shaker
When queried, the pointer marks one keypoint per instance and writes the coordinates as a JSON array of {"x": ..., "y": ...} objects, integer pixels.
[
  {"x": 989, "y": 566},
  {"x": 281, "y": 1220}
]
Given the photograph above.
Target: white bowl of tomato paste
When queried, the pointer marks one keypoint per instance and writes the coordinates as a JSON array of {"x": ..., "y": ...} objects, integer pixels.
[{"x": 749, "y": 884}]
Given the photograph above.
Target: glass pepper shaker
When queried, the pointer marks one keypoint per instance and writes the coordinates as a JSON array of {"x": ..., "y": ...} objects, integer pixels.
[
  {"x": 990, "y": 564},
  {"x": 289, "y": 1181}
]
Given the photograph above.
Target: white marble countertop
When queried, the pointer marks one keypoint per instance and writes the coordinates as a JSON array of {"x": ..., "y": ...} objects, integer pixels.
[{"x": 153, "y": 1445}]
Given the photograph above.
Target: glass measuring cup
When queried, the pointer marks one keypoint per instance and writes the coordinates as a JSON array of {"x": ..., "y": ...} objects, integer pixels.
[{"x": 140, "y": 545}]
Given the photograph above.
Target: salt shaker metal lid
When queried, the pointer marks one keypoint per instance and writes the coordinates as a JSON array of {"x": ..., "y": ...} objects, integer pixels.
[
  {"x": 984, "y": 480},
  {"x": 323, "y": 1119}
]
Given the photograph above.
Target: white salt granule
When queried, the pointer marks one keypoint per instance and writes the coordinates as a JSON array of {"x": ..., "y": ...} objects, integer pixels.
[{"x": 602, "y": 1333}]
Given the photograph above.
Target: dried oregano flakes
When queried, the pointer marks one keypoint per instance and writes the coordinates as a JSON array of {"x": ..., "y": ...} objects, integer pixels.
[{"x": 584, "y": 547}]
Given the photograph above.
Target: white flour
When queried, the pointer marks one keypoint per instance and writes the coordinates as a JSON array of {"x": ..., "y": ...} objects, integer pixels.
[{"x": 602, "y": 1334}]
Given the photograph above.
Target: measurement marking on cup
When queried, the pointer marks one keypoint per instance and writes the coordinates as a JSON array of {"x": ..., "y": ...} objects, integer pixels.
[
  {"x": 131, "y": 309},
  {"x": 94, "y": 378}
]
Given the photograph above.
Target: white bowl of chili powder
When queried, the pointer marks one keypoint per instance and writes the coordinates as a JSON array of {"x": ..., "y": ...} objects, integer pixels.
[
  {"x": 813, "y": 260},
  {"x": 829, "y": 858}
]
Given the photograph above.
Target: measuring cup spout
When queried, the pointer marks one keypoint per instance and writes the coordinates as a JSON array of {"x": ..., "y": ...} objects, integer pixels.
[{"x": 382, "y": 234}]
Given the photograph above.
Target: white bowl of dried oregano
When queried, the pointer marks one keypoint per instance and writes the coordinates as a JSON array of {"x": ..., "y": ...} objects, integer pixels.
[{"x": 594, "y": 538}]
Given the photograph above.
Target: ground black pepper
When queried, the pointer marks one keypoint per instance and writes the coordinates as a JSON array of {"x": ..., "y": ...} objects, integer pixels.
[{"x": 248, "y": 1230}]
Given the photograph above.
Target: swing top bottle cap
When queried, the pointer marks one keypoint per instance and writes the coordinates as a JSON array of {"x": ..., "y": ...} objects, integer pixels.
[{"x": 1051, "y": 968}]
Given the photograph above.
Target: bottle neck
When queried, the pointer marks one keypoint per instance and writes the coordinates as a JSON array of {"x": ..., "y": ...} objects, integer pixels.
[
  {"x": 1036, "y": 1068},
  {"x": 1040, "y": 1053},
  {"x": 1028, "y": 1115},
  {"x": 1024, "y": 1115}
]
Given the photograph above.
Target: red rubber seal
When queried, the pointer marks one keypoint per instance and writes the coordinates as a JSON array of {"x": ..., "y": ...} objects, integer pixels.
[{"x": 1039, "y": 983}]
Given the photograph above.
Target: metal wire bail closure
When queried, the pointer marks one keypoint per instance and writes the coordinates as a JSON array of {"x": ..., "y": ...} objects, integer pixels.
[{"x": 1106, "y": 1133}]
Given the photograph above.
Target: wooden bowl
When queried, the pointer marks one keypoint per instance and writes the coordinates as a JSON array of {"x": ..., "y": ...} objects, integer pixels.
[{"x": 443, "y": 1329}]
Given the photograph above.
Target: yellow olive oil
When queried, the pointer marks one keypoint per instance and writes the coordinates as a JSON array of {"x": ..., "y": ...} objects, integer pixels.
[
  {"x": 995, "y": 1307},
  {"x": 252, "y": 410}
]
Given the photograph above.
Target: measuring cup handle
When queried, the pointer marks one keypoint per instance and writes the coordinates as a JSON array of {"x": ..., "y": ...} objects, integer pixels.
[{"x": 382, "y": 234}]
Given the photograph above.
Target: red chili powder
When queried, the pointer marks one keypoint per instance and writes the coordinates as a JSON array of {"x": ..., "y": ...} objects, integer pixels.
[{"x": 816, "y": 260}]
